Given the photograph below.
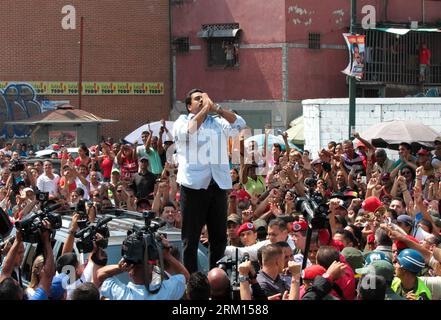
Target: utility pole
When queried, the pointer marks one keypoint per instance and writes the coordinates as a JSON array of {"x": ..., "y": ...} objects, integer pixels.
[
  {"x": 352, "y": 82},
  {"x": 80, "y": 77}
]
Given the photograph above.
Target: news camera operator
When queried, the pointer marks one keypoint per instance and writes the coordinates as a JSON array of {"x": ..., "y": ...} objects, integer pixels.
[{"x": 139, "y": 287}]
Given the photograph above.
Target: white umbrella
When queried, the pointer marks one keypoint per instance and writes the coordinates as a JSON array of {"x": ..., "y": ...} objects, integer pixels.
[
  {"x": 154, "y": 126},
  {"x": 392, "y": 133}
]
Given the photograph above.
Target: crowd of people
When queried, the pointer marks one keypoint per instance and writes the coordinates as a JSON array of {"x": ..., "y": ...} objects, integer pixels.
[{"x": 346, "y": 224}]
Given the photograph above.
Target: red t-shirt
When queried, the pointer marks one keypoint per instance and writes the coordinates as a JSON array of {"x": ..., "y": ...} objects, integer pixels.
[
  {"x": 106, "y": 165},
  {"x": 128, "y": 168},
  {"x": 71, "y": 186},
  {"x": 425, "y": 55}
]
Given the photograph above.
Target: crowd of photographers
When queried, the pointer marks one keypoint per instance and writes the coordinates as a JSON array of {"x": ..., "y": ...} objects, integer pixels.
[{"x": 348, "y": 223}]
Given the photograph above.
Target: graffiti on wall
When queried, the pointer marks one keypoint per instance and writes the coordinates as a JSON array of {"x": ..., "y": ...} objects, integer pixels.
[{"x": 18, "y": 101}]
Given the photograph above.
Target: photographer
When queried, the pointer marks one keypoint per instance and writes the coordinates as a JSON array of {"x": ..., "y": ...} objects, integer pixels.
[
  {"x": 139, "y": 287},
  {"x": 10, "y": 288}
]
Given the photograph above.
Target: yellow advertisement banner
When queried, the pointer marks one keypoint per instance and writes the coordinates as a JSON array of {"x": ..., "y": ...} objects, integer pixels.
[{"x": 68, "y": 88}]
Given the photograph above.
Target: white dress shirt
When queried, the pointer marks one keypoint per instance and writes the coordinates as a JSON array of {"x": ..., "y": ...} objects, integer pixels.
[{"x": 203, "y": 155}]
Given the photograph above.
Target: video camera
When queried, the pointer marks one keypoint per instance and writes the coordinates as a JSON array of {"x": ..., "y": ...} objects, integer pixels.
[
  {"x": 231, "y": 267},
  {"x": 15, "y": 165},
  {"x": 141, "y": 240},
  {"x": 87, "y": 235},
  {"x": 32, "y": 225},
  {"x": 313, "y": 206},
  {"x": 42, "y": 197}
]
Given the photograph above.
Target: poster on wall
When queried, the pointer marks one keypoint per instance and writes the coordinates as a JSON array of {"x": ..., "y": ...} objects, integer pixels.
[
  {"x": 63, "y": 138},
  {"x": 356, "y": 49}
]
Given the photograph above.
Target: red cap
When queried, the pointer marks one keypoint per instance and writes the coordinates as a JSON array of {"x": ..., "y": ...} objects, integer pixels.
[
  {"x": 337, "y": 244},
  {"x": 423, "y": 152},
  {"x": 245, "y": 227},
  {"x": 401, "y": 245},
  {"x": 299, "y": 226},
  {"x": 313, "y": 271},
  {"x": 371, "y": 204}
]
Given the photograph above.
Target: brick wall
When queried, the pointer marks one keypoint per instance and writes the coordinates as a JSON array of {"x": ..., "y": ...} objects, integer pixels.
[
  {"x": 123, "y": 41},
  {"x": 328, "y": 119}
]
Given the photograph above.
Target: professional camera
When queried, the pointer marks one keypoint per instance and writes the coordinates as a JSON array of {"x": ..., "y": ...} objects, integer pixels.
[
  {"x": 15, "y": 165},
  {"x": 142, "y": 240},
  {"x": 231, "y": 266},
  {"x": 313, "y": 206},
  {"x": 87, "y": 235},
  {"x": 32, "y": 225},
  {"x": 80, "y": 208},
  {"x": 42, "y": 196}
]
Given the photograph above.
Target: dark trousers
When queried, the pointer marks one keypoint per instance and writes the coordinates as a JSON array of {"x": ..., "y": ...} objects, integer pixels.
[{"x": 200, "y": 207}]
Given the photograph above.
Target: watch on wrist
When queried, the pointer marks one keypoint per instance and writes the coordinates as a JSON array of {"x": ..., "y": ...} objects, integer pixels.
[
  {"x": 218, "y": 108},
  {"x": 243, "y": 278}
]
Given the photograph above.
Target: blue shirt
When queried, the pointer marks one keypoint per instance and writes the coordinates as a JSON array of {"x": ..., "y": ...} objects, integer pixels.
[
  {"x": 39, "y": 294},
  {"x": 203, "y": 155},
  {"x": 171, "y": 289}
]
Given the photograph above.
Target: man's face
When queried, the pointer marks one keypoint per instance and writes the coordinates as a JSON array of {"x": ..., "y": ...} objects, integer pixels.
[
  {"x": 38, "y": 166},
  {"x": 195, "y": 105},
  {"x": 438, "y": 148},
  {"x": 82, "y": 171},
  {"x": 116, "y": 147},
  {"x": 168, "y": 214},
  {"x": 144, "y": 137},
  {"x": 394, "y": 252},
  {"x": 312, "y": 254},
  {"x": 424, "y": 160},
  {"x": 276, "y": 235},
  {"x": 299, "y": 240},
  {"x": 397, "y": 206},
  {"x": 5, "y": 174},
  {"x": 47, "y": 167},
  {"x": 348, "y": 148},
  {"x": 232, "y": 230},
  {"x": 340, "y": 177},
  {"x": 144, "y": 164},
  {"x": 288, "y": 256},
  {"x": 248, "y": 237},
  {"x": 155, "y": 142}
]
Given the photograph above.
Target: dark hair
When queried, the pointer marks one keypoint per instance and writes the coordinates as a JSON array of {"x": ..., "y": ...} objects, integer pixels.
[
  {"x": 326, "y": 255},
  {"x": 278, "y": 146},
  {"x": 349, "y": 237},
  {"x": 188, "y": 97},
  {"x": 393, "y": 212},
  {"x": 80, "y": 192},
  {"x": 198, "y": 287},
  {"x": 9, "y": 290},
  {"x": 401, "y": 200},
  {"x": 382, "y": 238},
  {"x": 372, "y": 287},
  {"x": 282, "y": 244},
  {"x": 84, "y": 148},
  {"x": 86, "y": 291},
  {"x": 412, "y": 172},
  {"x": 67, "y": 259},
  {"x": 278, "y": 222},
  {"x": 406, "y": 145}
]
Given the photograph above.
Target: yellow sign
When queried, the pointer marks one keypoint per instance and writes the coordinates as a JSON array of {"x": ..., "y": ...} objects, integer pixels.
[{"x": 69, "y": 88}]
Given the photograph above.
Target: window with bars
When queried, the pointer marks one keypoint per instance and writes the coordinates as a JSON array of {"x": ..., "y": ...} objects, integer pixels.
[
  {"x": 181, "y": 44},
  {"x": 314, "y": 40},
  {"x": 222, "y": 44}
]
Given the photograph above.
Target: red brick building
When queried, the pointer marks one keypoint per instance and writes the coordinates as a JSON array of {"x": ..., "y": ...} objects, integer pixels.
[
  {"x": 124, "y": 41},
  {"x": 288, "y": 50}
]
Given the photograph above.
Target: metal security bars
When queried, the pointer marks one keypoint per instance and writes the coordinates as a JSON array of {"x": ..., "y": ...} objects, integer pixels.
[{"x": 392, "y": 58}]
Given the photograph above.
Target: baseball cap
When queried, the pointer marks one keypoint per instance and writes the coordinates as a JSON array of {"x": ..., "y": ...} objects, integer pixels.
[
  {"x": 260, "y": 223},
  {"x": 59, "y": 282},
  {"x": 143, "y": 158},
  {"x": 379, "y": 267},
  {"x": 234, "y": 218},
  {"x": 313, "y": 271},
  {"x": 438, "y": 139},
  {"x": 353, "y": 257},
  {"x": 299, "y": 226},
  {"x": 371, "y": 204},
  {"x": 245, "y": 227},
  {"x": 116, "y": 170},
  {"x": 375, "y": 256},
  {"x": 423, "y": 152},
  {"x": 404, "y": 218},
  {"x": 317, "y": 161}
]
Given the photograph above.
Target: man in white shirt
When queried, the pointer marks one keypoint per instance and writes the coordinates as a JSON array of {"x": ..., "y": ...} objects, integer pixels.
[
  {"x": 48, "y": 181},
  {"x": 204, "y": 173}
]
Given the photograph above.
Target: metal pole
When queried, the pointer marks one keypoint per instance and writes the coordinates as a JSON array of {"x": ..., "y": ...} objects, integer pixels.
[
  {"x": 352, "y": 82},
  {"x": 80, "y": 78}
]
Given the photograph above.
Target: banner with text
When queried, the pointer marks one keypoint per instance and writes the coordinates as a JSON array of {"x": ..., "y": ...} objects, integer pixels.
[{"x": 357, "y": 49}]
